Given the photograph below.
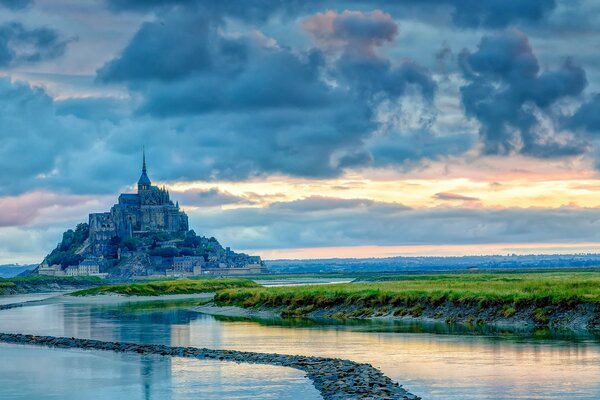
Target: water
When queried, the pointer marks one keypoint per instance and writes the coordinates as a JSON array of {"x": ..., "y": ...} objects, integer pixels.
[
  {"x": 435, "y": 366},
  {"x": 42, "y": 373},
  {"x": 28, "y": 372},
  {"x": 20, "y": 298}
]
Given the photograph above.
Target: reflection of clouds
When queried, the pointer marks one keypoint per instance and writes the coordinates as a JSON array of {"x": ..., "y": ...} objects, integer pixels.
[
  {"x": 437, "y": 366},
  {"x": 433, "y": 366}
]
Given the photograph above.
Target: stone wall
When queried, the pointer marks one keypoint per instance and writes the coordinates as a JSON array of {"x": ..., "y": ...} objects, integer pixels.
[{"x": 102, "y": 230}]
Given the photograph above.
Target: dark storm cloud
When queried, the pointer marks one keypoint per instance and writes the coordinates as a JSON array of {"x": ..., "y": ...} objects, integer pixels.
[
  {"x": 375, "y": 223},
  {"x": 16, "y": 4},
  {"x": 200, "y": 70},
  {"x": 463, "y": 13},
  {"x": 508, "y": 94},
  {"x": 165, "y": 50},
  {"x": 403, "y": 149},
  {"x": 32, "y": 137},
  {"x": 587, "y": 117},
  {"x": 19, "y": 45},
  {"x": 496, "y": 13},
  {"x": 271, "y": 108},
  {"x": 353, "y": 37}
]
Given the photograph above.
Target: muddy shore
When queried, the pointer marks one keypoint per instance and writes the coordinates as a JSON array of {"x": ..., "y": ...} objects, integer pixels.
[{"x": 582, "y": 318}]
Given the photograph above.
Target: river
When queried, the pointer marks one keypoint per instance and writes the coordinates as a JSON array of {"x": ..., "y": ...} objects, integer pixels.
[{"x": 432, "y": 365}]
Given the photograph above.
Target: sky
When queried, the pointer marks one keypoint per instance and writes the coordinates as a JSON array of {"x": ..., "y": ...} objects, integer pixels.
[{"x": 301, "y": 129}]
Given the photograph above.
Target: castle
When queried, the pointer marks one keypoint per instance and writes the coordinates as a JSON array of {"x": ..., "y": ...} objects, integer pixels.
[{"x": 150, "y": 209}]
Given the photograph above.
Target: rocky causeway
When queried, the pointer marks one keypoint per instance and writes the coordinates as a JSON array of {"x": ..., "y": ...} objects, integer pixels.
[{"x": 336, "y": 379}]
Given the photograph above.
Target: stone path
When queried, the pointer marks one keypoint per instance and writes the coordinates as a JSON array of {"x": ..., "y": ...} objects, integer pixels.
[{"x": 336, "y": 379}]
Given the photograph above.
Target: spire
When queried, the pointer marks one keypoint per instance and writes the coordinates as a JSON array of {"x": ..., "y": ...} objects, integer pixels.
[
  {"x": 144, "y": 159},
  {"x": 144, "y": 181}
]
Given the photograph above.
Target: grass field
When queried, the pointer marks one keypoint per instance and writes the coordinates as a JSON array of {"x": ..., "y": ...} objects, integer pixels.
[
  {"x": 157, "y": 288},
  {"x": 558, "y": 288}
]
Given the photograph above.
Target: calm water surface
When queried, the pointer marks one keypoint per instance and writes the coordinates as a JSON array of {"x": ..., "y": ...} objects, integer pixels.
[
  {"x": 40, "y": 373},
  {"x": 434, "y": 366}
]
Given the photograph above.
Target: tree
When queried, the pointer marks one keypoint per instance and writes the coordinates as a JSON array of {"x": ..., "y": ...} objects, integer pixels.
[
  {"x": 164, "y": 252},
  {"x": 191, "y": 241},
  {"x": 130, "y": 243}
]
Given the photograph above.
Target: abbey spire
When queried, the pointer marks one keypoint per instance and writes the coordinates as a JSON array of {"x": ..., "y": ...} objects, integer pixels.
[{"x": 144, "y": 182}]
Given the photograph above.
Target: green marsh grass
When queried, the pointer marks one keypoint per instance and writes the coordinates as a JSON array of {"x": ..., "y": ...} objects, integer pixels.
[
  {"x": 514, "y": 289},
  {"x": 158, "y": 288}
]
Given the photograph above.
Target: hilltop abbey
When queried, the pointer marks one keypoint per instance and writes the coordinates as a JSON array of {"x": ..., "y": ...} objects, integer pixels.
[
  {"x": 150, "y": 209},
  {"x": 144, "y": 234}
]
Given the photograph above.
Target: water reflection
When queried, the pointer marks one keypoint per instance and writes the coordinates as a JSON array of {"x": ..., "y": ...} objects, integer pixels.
[
  {"x": 436, "y": 366},
  {"x": 385, "y": 325},
  {"x": 40, "y": 373}
]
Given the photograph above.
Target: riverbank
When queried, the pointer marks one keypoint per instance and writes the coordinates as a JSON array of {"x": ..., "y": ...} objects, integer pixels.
[
  {"x": 336, "y": 379},
  {"x": 555, "y": 300},
  {"x": 42, "y": 284}
]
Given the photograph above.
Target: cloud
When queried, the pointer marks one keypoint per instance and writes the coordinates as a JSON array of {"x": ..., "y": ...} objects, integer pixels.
[
  {"x": 467, "y": 14},
  {"x": 407, "y": 150},
  {"x": 200, "y": 70},
  {"x": 497, "y": 13},
  {"x": 44, "y": 147},
  {"x": 375, "y": 223},
  {"x": 321, "y": 204},
  {"x": 453, "y": 197},
  {"x": 31, "y": 136},
  {"x": 39, "y": 207},
  {"x": 587, "y": 117},
  {"x": 28, "y": 245},
  {"x": 16, "y": 4},
  {"x": 353, "y": 30},
  {"x": 352, "y": 38},
  {"x": 272, "y": 108},
  {"x": 212, "y": 197},
  {"x": 19, "y": 45},
  {"x": 93, "y": 108},
  {"x": 165, "y": 50},
  {"x": 512, "y": 99}
]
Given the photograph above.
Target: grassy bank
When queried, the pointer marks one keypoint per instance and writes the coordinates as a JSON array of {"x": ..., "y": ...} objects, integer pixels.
[
  {"x": 42, "y": 283},
  {"x": 157, "y": 288},
  {"x": 473, "y": 296}
]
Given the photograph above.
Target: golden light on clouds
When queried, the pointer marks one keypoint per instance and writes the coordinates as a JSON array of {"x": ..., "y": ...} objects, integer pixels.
[
  {"x": 414, "y": 192},
  {"x": 429, "y": 250}
]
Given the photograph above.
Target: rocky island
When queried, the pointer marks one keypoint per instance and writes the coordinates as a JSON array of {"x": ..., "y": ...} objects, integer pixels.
[{"x": 144, "y": 234}]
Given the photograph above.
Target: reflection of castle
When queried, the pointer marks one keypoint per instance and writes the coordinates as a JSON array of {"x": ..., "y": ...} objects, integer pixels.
[{"x": 150, "y": 209}]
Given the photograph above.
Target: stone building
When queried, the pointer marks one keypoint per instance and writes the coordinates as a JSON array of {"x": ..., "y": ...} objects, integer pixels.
[
  {"x": 150, "y": 209},
  {"x": 188, "y": 264}
]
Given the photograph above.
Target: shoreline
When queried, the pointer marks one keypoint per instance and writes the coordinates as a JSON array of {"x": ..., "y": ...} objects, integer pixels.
[
  {"x": 335, "y": 379},
  {"x": 581, "y": 319},
  {"x": 110, "y": 298}
]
